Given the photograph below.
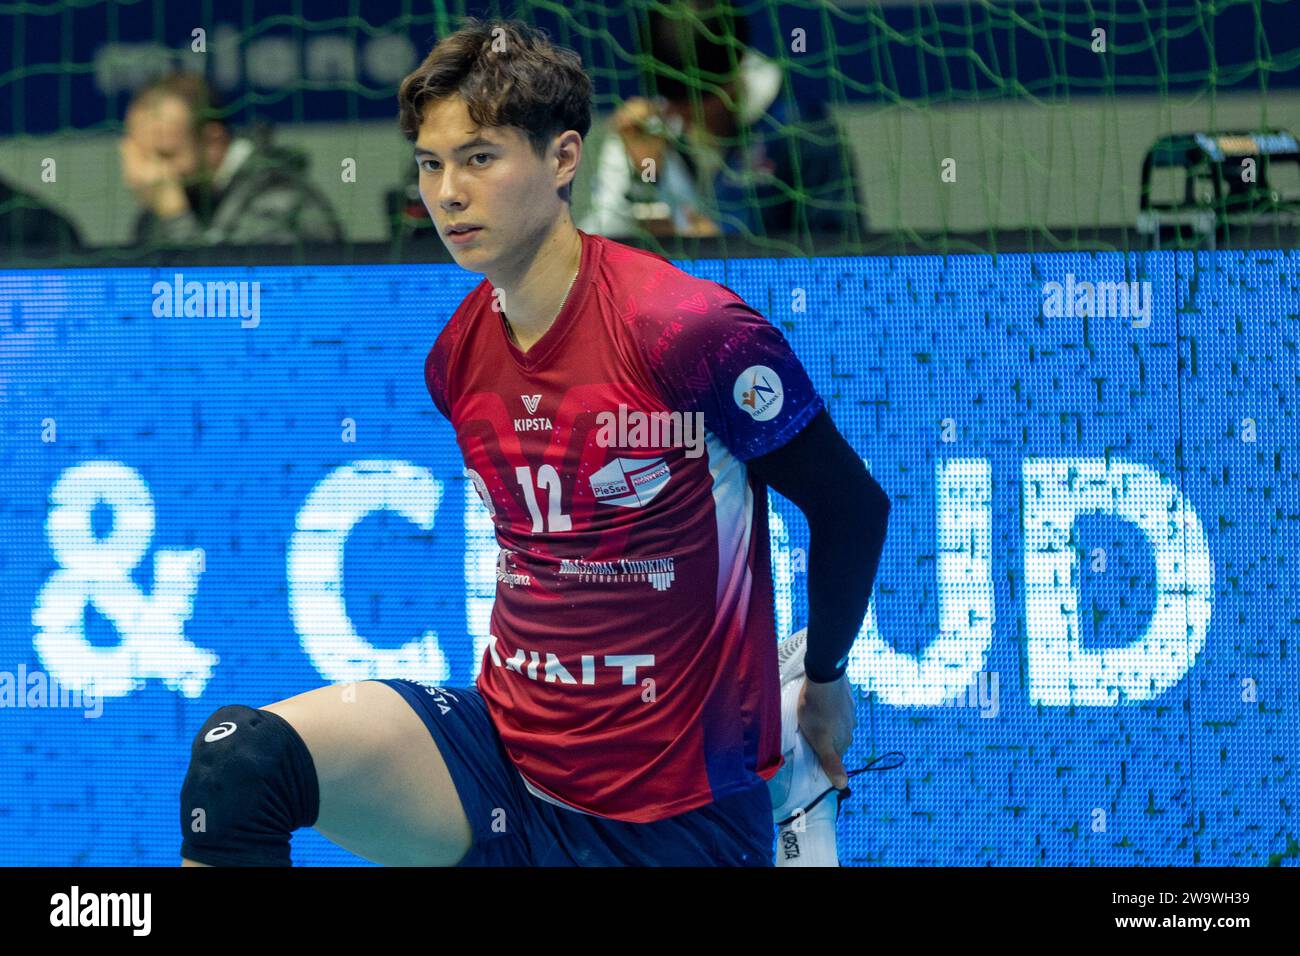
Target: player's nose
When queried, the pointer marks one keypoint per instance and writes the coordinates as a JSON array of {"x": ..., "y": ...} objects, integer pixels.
[{"x": 450, "y": 194}]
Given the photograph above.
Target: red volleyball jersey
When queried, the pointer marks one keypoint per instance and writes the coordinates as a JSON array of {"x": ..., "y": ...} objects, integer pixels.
[{"x": 631, "y": 669}]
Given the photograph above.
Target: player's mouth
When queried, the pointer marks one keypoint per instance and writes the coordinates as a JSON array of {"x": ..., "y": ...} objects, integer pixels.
[{"x": 461, "y": 234}]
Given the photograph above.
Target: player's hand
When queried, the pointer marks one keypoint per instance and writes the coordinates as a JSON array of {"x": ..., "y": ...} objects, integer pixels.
[
  {"x": 827, "y": 716},
  {"x": 641, "y": 127},
  {"x": 153, "y": 180},
  {"x": 700, "y": 224}
]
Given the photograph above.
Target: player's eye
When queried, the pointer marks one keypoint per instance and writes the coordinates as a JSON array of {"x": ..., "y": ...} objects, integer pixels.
[{"x": 428, "y": 164}]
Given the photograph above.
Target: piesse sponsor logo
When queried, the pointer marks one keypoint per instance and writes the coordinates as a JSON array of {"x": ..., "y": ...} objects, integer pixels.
[{"x": 630, "y": 482}]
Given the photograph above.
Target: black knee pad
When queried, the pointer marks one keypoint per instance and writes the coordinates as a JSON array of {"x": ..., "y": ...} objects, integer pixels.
[{"x": 251, "y": 783}]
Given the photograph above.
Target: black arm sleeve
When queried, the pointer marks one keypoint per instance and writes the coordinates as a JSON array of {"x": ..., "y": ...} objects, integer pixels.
[{"x": 847, "y": 514}]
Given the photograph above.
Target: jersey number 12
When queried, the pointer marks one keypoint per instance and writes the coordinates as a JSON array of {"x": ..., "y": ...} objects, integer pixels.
[{"x": 549, "y": 479}]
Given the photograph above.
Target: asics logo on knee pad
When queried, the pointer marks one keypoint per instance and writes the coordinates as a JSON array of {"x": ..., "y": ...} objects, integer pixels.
[
  {"x": 240, "y": 802},
  {"x": 225, "y": 729}
]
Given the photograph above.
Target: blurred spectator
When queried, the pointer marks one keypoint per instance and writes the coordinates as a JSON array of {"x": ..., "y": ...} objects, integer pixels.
[
  {"x": 720, "y": 163},
  {"x": 28, "y": 225},
  {"x": 196, "y": 183}
]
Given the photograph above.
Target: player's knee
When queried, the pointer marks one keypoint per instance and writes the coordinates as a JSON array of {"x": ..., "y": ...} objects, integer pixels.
[{"x": 251, "y": 783}]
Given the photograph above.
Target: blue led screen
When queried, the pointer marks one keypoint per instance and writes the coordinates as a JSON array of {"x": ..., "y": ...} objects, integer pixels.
[{"x": 1083, "y": 634}]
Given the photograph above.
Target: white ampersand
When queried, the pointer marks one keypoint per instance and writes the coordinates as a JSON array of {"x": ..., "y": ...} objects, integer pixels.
[{"x": 97, "y": 571}]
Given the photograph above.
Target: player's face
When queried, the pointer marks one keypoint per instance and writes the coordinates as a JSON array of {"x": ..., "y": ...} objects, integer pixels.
[{"x": 487, "y": 177}]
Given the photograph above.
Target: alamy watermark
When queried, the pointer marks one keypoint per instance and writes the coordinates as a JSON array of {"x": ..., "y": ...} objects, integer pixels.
[
  {"x": 36, "y": 690},
  {"x": 638, "y": 429},
  {"x": 981, "y": 692},
  {"x": 1114, "y": 300},
  {"x": 75, "y": 908},
  {"x": 193, "y": 299}
]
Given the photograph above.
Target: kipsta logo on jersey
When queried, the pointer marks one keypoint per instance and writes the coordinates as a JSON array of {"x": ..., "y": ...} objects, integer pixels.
[
  {"x": 758, "y": 391},
  {"x": 532, "y": 424},
  {"x": 630, "y": 482}
]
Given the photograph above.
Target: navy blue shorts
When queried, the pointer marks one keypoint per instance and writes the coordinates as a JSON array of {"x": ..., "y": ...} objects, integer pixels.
[{"x": 512, "y": 827}]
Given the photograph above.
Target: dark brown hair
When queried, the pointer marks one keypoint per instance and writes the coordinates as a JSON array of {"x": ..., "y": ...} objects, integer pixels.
[
  {"x": 191, "y": 89},
  {"x": 525, "y": 82},
  {"x": 703, "y": 39}
]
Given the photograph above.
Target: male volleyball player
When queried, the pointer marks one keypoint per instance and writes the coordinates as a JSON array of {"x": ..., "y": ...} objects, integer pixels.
[{"x": 629, "y": 704}]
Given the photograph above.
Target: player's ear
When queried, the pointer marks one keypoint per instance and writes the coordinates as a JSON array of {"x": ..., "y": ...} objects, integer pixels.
[{"x": 567, "y": 154}]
